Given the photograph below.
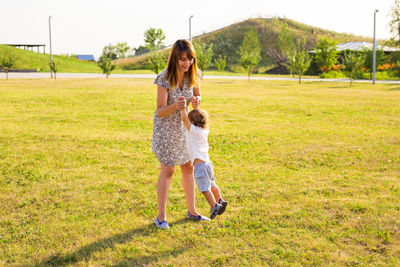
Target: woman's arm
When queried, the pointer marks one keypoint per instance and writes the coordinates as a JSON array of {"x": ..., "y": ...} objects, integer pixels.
[
  {"x": 164, "y": 110},
  {"x": 196, "y": 99}
]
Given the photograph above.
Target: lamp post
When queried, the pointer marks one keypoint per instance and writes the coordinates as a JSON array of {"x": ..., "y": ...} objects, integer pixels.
[
  {"x": 190, "y": 28},
  {"x": 51, "y": 54},
  {"x": 374, "y": 50}
]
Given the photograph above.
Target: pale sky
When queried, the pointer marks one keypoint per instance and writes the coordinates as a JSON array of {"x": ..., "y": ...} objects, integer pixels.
[{"x": 86, "y": 26}]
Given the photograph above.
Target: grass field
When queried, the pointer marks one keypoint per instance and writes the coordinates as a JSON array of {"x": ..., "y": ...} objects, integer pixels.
[{"x": 311, "y": 173}]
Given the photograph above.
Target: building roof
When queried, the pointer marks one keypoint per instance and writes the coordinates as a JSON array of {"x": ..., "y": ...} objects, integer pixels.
[
  {"x": 359, "y": 46},
  {"x": 85, "y": 57}
]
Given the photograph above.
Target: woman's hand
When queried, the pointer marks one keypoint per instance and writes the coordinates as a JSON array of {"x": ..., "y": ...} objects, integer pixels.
[
  {"x": 180, "y": 103},
  {"x": 196, "y": 102}
]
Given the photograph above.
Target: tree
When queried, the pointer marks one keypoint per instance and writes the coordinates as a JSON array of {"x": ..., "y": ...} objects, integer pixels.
[
  {"x": 353, "y": 63},
  {"x": 280, "y": 56},
  {"x": 204, "y": 56},
  {"x": 224, "y": 44},
  {"x": 285, "y": 41},
  {"x": 300, "y": 60},
  {"x": 287, "y": 49},
  {"x": 53, "y": 68},
  {"x": 394, "y": 24},
  {"x": 279, "y": 60},
  {"x": 153, "y": 38},
  {"x": 326, "y": 55},
  {"x": 220, "y": 62},
  {"x": 121, "y": 49},
  {"x": 105, "y": 61},
  {"x": 141, "y": 50},
  {"x": 250, "y": 51},
  {"x": 368, "y": 62},
  {"x": 157, "y": 62},
  {"x": 111, "y": 51},
  {"x": 7, "y": 62}
]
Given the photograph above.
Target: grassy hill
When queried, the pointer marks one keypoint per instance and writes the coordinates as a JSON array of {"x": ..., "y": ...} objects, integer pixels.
[
  {"x": 32, "y": 60},
  {"x": 226, "y": 41}
]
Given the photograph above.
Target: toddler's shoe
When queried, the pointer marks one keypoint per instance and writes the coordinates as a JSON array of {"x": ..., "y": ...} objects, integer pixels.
[
  {"x": 215, "y": 211},
  {"x": 162, "y": 225},
  {"x": 197, "y": 218},
  {"x": 223, "y": 203}
]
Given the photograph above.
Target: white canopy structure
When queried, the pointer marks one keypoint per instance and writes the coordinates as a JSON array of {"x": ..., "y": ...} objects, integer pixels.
[{"x": 359, "y": 46}]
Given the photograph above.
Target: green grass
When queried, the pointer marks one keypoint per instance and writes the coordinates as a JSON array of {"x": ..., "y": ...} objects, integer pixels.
[
  {"x": 32, "y": 60},
  {"x": 311, "y": 173}
]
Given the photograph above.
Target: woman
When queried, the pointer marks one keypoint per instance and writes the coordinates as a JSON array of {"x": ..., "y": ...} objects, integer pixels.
[{"x": 169, "y": 137}]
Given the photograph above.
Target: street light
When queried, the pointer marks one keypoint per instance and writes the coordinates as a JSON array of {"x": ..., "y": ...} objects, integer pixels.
[
  {"x": 51, "y": 54},
  {"x": 190, "y": 28},
  {"x": 374, "y": 51}
]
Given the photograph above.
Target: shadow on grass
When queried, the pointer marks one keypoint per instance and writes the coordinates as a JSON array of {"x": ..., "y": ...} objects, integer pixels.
[{"x": 86, "y": 252}]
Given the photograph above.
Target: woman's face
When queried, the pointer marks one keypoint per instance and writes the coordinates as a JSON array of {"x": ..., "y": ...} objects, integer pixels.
[{"x": 184, "y": 62}]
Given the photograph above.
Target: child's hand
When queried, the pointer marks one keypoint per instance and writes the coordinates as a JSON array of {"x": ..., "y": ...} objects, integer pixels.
[
  {"x": 180, "y": 103},
  {"x": 195, "y": 102}
]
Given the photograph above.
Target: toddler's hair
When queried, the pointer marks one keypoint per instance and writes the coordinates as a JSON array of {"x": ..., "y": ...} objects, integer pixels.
[{"x": 199, "y": 117}]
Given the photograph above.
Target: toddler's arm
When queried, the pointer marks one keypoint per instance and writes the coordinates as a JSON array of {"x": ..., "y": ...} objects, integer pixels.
[{"x": 185, "y": 119}]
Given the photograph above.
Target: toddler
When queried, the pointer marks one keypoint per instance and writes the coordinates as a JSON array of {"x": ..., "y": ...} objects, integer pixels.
[{"x": 196, "y": 122}]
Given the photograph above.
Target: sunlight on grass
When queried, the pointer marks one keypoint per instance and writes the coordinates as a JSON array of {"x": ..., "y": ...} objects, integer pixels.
[{"x": 311, "y": 173}]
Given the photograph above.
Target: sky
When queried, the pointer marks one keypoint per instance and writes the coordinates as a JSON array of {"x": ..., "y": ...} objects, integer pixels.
[{"x": 86, "y": 26}]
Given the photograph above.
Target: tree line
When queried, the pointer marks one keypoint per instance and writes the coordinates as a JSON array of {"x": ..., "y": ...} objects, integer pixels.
[{"x": 290, "y": 56}]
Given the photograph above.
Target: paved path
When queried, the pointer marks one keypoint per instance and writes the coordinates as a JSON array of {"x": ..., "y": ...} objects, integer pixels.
[{"x": 38, "y": 75}]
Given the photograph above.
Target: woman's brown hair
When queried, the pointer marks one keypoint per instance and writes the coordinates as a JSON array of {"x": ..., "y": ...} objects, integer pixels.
[
  {"x": 199, "y": 117},
  {"x": 180, "y": 47}
]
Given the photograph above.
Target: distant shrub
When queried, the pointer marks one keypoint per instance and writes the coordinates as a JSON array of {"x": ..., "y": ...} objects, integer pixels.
[
  {"x": 393, "y": 57},
  {"x": 236, "y": 68},
  {"x": 332, "y": 74},
  {"x": 385, "y": 66},
  {"x": 387, "y": 75},
  {"x": 136, "y": 66}
]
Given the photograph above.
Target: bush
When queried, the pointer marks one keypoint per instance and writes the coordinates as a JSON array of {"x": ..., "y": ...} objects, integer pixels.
[
  {"x": 236, "y": 68},
  {"x": 393, "y": 57},
  {"x": 332, "y": 74},
  {"x": 313, "y": 68},
  {"x": 387, "y": 75},
  {"x": 137, "y": 66}
]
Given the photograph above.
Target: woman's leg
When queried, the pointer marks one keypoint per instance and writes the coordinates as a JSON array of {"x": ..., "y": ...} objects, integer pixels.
[
  {"x": 188, "y": 187},
  {"x": 164, "y": 180}
]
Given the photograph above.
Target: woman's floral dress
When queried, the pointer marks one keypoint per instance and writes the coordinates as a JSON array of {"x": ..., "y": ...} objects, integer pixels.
[{"x": 169, "y": 133}]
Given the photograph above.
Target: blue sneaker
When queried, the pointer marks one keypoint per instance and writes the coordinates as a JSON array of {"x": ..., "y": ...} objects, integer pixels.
[
  {"x": 223, "y": 203},
  {"x": 162, "y": 225},
  {"x": 216, "y": 211},
  {"x": 198, "y": 218}
]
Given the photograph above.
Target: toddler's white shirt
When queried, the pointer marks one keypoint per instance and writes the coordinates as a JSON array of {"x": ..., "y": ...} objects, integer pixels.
[{"x": 197, "y": 142}]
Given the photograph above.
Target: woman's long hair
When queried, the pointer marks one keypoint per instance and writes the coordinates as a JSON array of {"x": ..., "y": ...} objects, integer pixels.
[{"x": 180, "y": 47}]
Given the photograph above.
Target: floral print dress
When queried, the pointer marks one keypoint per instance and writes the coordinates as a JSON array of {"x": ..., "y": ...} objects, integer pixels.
[{"x": 169, "y": 133}]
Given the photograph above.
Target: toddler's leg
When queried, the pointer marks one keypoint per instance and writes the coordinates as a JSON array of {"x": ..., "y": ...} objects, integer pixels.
[
  {"x": 218, "y": 198},
  {"x": 216, "y": 208},
  {"x": 210, "y": 198},
  {"x": 216, "y": 192}
]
